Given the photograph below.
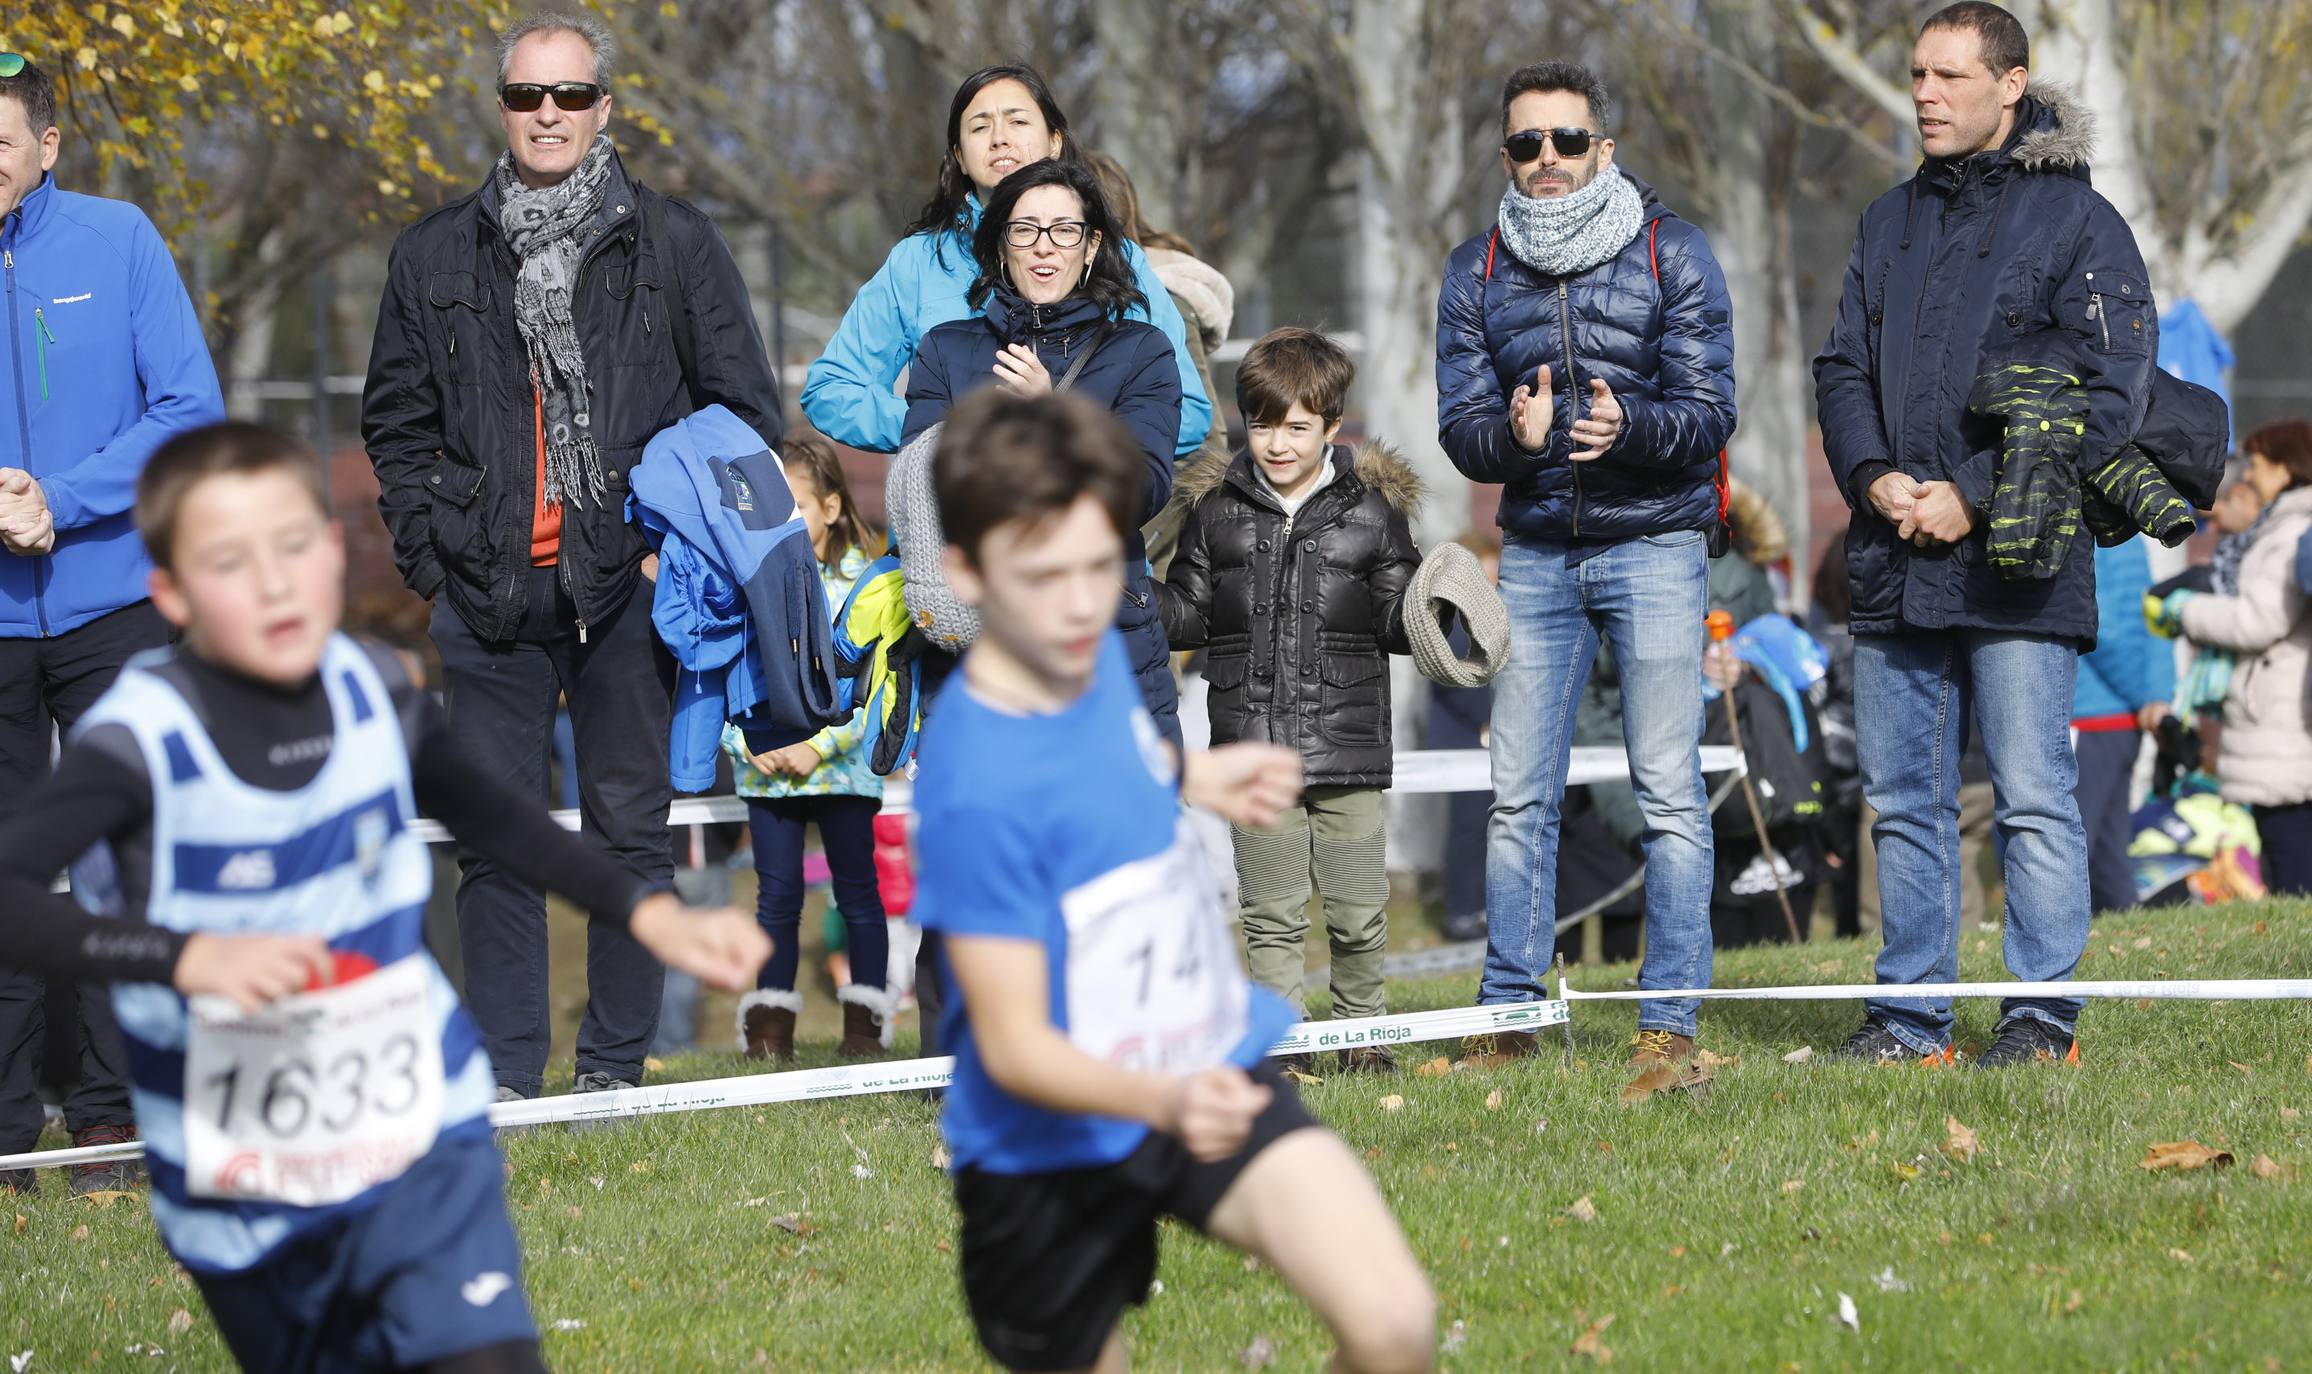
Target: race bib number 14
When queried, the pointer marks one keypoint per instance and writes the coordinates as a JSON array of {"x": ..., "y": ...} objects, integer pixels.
[
  {"x": 1153, "y": 979},
  {"x": 318, "y": 1097}
]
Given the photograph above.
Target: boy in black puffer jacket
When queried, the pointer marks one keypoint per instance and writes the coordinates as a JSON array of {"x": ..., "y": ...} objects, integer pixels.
[{"x": 1291, "y": 575}]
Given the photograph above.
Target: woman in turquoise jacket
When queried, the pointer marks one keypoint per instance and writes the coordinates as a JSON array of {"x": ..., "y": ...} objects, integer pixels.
[{"x": 1002, "y": 118}]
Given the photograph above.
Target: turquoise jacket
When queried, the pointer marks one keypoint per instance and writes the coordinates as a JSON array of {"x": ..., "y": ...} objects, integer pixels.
[
  {"x": 842, "y": 770},
  {"x": 847, "y": 395}
]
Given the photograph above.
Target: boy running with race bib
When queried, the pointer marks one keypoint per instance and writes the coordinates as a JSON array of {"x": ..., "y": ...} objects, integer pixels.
[
  {"x": 321, "y": 1165},
  {"x": 1109, "y": 1064}
]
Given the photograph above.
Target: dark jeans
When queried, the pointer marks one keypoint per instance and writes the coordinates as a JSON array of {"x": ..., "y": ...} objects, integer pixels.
[
  {"x": 2287, "y": 833},
  {"x": 501, "y": 698},
  {"x": 45, "y": 685},
  {"x": 847, "y": 833},
  {"x": 2106, "y": 766}
]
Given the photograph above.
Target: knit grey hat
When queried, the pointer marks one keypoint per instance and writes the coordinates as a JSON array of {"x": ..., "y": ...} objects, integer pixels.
[
  {"x": 913, "y": 509},
  {"x": 1451, "y": 582}
]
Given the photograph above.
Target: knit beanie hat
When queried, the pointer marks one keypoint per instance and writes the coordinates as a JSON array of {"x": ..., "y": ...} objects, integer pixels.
[{"x": 1451, "y": 582}]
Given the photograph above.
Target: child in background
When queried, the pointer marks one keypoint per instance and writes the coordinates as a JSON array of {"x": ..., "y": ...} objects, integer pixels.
[
  {"x": 324, "y": 1171},
  {"x": 824, "y": 781},
  {"x": 1291, "y": 575}
]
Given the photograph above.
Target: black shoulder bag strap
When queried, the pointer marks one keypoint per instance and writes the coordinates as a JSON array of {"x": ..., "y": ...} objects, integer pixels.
[{"x": 1076, "y": 369}]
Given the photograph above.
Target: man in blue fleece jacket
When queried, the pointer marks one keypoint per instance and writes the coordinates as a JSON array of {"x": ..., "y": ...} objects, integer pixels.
[{"x": 105, "y": 361}]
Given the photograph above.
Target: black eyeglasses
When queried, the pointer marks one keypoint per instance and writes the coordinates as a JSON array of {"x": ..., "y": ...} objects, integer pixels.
[
  {"x": 525, "y": 96},
  {"x": 13, "y": 64},
  {"x": 1068, "y": 233},
  {"x": 1525, "y": 145}
]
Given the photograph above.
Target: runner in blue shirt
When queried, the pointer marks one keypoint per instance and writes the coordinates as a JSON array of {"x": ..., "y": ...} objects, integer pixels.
[{"x": 1108, "y": 1046}]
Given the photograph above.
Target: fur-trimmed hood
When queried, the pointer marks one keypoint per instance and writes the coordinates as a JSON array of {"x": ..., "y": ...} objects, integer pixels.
[
  {"x": 1377, "y": 464},
  {"x": 1205, "y": 296},
  {"x": 2059, "y": 131}
]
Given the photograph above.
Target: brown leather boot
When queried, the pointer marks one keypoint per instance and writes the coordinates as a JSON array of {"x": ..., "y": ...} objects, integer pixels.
[
  {"x": 1369, "y": 1059},
  {"x": 1663, "y": 1061},
  {"x": 1492, "y": 1050},
  {"x": 767, "y": 1024},
  {"x": 1651, "y": 1047},
  {"x": 866, "y": 1022}
]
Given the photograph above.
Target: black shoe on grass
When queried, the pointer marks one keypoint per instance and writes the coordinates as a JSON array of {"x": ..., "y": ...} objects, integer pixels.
[
  {"x": 1874, "y": 1043},
  {"x": 2029, "y": 1040}
]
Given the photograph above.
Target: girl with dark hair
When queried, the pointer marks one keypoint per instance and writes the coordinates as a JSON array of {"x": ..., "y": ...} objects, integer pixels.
[
  {"x": 1003, "y": 118},
  {"x": 1056, "y": 298}
]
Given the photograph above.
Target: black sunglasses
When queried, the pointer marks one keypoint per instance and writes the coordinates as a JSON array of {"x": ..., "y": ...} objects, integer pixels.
[
  {"x": 1525, "y": 146},
  {"x": 525, "y": 96}
]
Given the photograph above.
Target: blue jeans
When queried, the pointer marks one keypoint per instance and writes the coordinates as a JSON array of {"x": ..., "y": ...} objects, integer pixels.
[
  {"x": 1913, "y": 694},
  {"x": 1647, "y": 597}
]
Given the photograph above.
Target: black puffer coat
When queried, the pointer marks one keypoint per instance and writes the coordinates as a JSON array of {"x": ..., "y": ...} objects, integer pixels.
[
  {"x": 1653, "y": 322},
  {"x": 450, "y": 418},
  {"x": 1298, "y": 615},
  {"x": 1964, "y": 258}
]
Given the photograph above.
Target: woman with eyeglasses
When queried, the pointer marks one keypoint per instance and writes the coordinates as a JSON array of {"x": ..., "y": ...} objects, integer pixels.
[
  {"x": 1054, "y": 299},
  {"x": 1002, "y": 118}
]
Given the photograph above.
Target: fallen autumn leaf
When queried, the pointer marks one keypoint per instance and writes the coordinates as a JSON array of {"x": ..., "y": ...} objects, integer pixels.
[
  {"x": 1493, "y": 1100},
  {"x": 2184, "y": 1154},
  {"x": 1392, "y": 1103},
  {"x": 1583, "y": 1210},
  {"x": 1799, "y": 1055},
  {"x": 1959, "y": 1142},
  {"x": 1435, "y": 1068},
  {"x": 2264, "y": 1167},
  {"x": 1587, "y": 1343},
  {"x": 1847, "y": 1316}
]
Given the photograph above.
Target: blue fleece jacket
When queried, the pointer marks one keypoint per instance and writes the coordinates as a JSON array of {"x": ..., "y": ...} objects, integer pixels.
[
  {"x": 2129, "y": 668},
  {"x": 738, "y": 601},
  {"x": 847, "y": 394},
  {"x": 105, "y": 361}
]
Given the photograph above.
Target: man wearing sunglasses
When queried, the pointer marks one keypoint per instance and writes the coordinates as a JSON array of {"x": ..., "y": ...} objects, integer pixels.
[
  {"x": 104, "y": 361},
  {"x": 534, "y": 335},
  {"x": 1998, "y": 236},
  {"x": 1585, "y": 361}
]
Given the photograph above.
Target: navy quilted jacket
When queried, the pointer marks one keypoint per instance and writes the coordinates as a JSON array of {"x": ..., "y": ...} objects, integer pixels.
[
  {"x": 1964, "y": 258},
  {"x": 1665, "y": 344}
]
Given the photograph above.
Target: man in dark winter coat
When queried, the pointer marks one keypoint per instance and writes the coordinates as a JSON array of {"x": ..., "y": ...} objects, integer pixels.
[
  {"x": 533, "y": 337},
  {"x": 1996, "y": 236},
  {"x": 1585, "y": 360}
]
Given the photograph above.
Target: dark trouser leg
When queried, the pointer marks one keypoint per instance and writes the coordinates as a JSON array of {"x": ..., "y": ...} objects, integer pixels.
[
  {"x": 847, "y": 833},
  {"x": 777, "y": 825},
  {"x": 81, "y": 667},
  {"x": 500, "y": 697},
  {"x": 24, "y": 735},
  {"x": 2287, "y": 835},
  {"x": 2106, "y": 764},
  {"x": 620, "y": 684}
]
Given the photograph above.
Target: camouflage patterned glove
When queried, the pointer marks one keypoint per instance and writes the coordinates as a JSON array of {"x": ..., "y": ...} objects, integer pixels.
[{"x": 2035, "y": 515}]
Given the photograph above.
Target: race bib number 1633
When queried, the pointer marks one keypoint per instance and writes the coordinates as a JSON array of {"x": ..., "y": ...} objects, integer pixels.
[{"x": 318, "y": 1097}]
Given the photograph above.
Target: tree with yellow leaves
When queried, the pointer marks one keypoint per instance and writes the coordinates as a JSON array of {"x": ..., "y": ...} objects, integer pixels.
[{"x": 139, "y": 85}]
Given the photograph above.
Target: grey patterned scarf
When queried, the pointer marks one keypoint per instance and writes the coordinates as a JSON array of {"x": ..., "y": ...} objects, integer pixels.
[
  {"x": 548, "y": 231},
  {"x": 1562, "y": 235}
]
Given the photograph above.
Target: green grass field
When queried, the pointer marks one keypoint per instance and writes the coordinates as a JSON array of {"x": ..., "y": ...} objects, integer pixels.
[{"x": 1724, "y": 1231}]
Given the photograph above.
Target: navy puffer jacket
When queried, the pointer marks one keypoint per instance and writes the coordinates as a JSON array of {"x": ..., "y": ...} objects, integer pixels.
[
  {"x": 1133, "y": 373},
  {"x": 1964, "y": 258},
  {"x": 1663, "y": 341}
]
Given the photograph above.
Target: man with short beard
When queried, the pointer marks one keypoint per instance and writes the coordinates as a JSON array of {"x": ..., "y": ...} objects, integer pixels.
[
  {"x": 1585, "y": 360},
  {"x": 534, "y": 335},
  {"x": 1998, "y": 236}
]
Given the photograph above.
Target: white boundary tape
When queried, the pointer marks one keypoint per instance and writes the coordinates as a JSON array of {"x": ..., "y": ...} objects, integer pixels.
[
  {"x": 1452, "y": 1023},
  {"x": 906, "y": 1075},
  {"x": 1416, "y": 771},
  {"x": 2166, "y": 989}
]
